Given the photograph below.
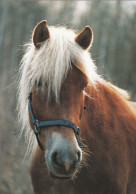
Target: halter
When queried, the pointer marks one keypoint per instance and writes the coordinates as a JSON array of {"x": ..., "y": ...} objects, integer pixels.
[{"x": 47, "y": 123}]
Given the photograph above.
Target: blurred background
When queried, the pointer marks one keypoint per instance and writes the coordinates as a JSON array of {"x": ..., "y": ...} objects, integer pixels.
[{"x": 113, "y": 50}]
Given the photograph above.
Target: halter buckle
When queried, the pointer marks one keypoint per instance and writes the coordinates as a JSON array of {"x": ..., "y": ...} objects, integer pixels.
[{"x": 36, "y": 126}]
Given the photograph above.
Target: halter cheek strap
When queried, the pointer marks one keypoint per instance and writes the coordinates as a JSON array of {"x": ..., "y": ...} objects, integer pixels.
[{"x": 60, "y": 122}]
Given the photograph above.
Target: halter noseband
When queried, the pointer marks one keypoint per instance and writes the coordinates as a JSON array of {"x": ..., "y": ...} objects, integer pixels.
[{"x": 60, "y": 122}]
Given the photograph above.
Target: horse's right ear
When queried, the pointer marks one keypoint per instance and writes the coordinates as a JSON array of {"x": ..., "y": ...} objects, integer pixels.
[{"x": 40, "y": 33}]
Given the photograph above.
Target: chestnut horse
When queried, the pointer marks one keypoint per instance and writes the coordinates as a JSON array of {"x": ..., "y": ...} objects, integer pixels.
[{"x": 60, "y": 92}]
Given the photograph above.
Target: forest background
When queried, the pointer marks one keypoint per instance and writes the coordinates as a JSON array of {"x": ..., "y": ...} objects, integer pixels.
[{"x": 113, "y": 50}]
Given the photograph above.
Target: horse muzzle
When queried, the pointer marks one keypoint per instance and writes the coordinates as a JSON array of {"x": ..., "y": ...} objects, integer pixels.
[{"x": 63, "y": 159}]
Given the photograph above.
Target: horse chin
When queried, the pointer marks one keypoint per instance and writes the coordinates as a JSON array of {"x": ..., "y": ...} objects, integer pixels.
[{"x": 60, "y": 177}]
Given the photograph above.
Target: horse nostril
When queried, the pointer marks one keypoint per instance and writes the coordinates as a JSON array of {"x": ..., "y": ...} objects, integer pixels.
[
  {"x": 79, "y": 156},
  {"x": 54, "y": 159}
]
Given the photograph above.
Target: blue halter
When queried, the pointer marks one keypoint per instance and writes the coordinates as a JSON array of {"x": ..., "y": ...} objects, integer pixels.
[{"x": 39, "y": 124}]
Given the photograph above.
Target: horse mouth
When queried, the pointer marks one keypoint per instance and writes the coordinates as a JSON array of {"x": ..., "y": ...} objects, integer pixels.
[{"x": 59, "y": 177}]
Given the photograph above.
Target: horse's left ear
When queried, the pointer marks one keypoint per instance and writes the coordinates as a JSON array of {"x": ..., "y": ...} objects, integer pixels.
[
  {"x": 40, "y": 33},
  {"x": 85, "y": 37}
]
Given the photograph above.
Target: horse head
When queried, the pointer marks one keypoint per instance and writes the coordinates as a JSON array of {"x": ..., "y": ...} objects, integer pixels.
[{"x": 62, "y": 152}]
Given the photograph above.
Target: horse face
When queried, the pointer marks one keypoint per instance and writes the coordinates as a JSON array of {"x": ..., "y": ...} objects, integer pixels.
[{"x": 62, "y": 152}]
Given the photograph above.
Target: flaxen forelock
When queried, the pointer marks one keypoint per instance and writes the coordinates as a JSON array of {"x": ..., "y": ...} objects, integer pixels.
[{"x": 50, "y": 64}]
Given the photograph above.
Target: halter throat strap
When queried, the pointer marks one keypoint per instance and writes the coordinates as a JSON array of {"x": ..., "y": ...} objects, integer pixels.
[{"x": 47, "y": 123}]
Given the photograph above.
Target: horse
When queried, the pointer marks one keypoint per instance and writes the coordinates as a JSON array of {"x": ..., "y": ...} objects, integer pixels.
[{"x": 80, "y": 129}]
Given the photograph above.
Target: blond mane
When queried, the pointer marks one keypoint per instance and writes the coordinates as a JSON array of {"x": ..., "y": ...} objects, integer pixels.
[{"x": 50, "y": 64}]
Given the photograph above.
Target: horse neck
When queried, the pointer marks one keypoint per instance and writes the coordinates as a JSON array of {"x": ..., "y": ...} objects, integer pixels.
[{"x": 105, "y": 109}]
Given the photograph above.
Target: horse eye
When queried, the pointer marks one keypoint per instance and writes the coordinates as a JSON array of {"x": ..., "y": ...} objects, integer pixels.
[
  {"x": 38, "y": 84},
  {"x": 85, "y": 87}
]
